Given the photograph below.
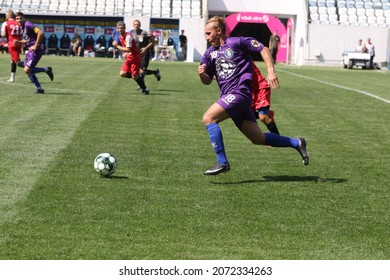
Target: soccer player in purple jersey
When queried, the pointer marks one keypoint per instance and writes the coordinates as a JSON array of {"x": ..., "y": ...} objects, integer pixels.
[
  {"x": 32, "y": 37},
  {"x": 229, "y": 61}
]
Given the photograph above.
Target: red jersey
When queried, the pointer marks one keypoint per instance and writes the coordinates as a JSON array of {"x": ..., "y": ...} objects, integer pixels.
[
  {"x": 12, "y": 30},
  {"x": 128, "y": 42},
  {"x": 261, "y": 91},
  {"x": 258, "y": 80}
]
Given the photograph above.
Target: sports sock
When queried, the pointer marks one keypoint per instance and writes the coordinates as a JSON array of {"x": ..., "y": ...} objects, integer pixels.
[
  {"x": 13, "y": 67},
  {"x": 34, "y": 79},
  {"x": 216, "y": 139},
  {"x": 38, "y": 70},
  {"x": 140, "y": 81},
  {"x": 275, "y": 140},
  {"x": 272, "y": 128},
  {"x": 150, "y": 72},
  {"x": 21, "y": 64}
]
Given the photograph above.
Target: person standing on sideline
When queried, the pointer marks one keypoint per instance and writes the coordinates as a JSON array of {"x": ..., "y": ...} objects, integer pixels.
[
  {"x": 183, "y": 44},
  {"x": 132, "y": 57},
  {"x": 360, "y": 47},
  {"x": 230, "y": 61},
  {"x": 261, "y": 100},
  {"x": 12, "y": 30},
  {"x": 274, "y": 42},
  {"x": 32, "y": 37},
  {"x": 371, "y": 50},
  {"x": 145, "y": 42}
]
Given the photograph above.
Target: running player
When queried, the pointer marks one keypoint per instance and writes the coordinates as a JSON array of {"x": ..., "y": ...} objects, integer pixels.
[
  {"x": 229, "y": 59},
  {"x": 32, "y": 37},
  {"x": 131, "y": 55},
  {"x": 145, "y": 43},
  {"x": 261, "y": 100},
  {"x": 12, "y": 30}
]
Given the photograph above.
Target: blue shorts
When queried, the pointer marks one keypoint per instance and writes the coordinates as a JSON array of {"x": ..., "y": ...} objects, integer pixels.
[
  {"x": 238, "y": 106},
  {"x": 263, "y": 110}
]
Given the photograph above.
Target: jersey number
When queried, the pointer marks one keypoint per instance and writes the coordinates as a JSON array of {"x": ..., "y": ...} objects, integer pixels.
[
  {"x": 229, "y": 99},
  {"x": 14, "y": 30}
]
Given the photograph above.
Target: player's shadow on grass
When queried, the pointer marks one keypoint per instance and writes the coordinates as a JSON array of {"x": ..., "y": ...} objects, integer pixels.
[
  {"x": 114, "y": 177},
  {"x": 287, "y": 178},
  {"x": 163, "y": 91}
]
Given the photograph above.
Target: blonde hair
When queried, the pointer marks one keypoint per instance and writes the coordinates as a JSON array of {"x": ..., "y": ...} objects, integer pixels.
[
  {"x": 10, "y": 14},
  {"x": 218, "y": 22}
]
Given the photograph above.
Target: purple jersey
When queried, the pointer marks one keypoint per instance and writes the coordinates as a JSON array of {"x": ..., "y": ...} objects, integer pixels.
[
  {"x": 231, "y": 63},
  {"x": 30, "y": 33}
]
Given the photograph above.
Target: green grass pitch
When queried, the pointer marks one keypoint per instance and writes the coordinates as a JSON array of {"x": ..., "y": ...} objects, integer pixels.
[{"x": 159, "y": 205}]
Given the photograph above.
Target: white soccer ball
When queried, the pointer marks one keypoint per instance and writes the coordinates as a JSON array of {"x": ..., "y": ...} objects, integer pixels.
[{"x": 105, "y": 164}]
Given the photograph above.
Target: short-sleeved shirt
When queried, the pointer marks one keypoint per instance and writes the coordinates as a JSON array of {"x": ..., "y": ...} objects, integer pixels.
[
  {"x": 77, "y": 40},
  {"x": 13, "y": 31},
  {"x": 141, "y": 37},
  {"x": 30, "y": 33},
  {"x": 231, "y": 63},
  {"x": 129, "y": 42},
  {"x": 274, "y": 41}
]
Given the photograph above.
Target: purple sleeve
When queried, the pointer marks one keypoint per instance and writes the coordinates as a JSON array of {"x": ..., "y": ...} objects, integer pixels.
[
  {"x": 249, "y": 44},
  {"x": 206, "y": 59}
]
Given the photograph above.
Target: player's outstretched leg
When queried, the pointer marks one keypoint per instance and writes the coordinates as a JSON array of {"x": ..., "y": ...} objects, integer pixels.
[
  {"x": 302, "y": 151},
  {"x": 158, "y": 75},
  {"x": 49, "y": 72},
  {"x": 299, "y": 144}
]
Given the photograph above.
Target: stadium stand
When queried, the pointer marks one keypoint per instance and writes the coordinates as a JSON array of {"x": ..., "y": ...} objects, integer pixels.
[
  {"x": 147, "y": 8},
  {"x": 350, "y": 12}
]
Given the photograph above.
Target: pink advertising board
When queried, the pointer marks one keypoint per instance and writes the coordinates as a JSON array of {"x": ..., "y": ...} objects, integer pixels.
[{"x": 272, "y": 23}]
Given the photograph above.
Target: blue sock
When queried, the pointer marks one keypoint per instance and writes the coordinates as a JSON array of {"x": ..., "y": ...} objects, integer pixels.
[
  {"x": 30, "y": 77},
  {"x": 216, "y": 140},
  {"x": 34, "y": 79},
  {"x": 275, "y": 140},
  {"x": 38, "y": 70}
]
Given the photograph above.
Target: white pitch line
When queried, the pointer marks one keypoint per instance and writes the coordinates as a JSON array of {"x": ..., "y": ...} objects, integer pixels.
[{"x": 338, "y": 86}]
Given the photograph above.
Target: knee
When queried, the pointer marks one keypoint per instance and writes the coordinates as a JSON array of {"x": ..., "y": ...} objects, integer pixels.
[{"x": 207, "y": 118}]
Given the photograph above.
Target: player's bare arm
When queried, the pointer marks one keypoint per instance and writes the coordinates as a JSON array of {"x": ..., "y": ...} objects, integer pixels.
[
  {"x": 203, "y": 76},
  {"x": 150, "y": 45},
  {"x": 272, "y": 77},
  {"x": 119, "y": 47}
]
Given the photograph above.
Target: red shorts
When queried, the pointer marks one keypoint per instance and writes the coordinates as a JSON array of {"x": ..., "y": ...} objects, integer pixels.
[
  {"x": 261, "y": 94},
  {"x": 131, "y": 66},
  {"x": 15, "y": 53}
]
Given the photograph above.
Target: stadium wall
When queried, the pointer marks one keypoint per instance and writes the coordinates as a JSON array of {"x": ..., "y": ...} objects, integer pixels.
[{"x": 326, "y": 43}]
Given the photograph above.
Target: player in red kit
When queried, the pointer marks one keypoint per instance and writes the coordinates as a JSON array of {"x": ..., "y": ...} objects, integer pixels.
[
  {"x": 12, "y": 30},
  {"x": 261, "y": 100},
  {"x": 132, "y": 64}
]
